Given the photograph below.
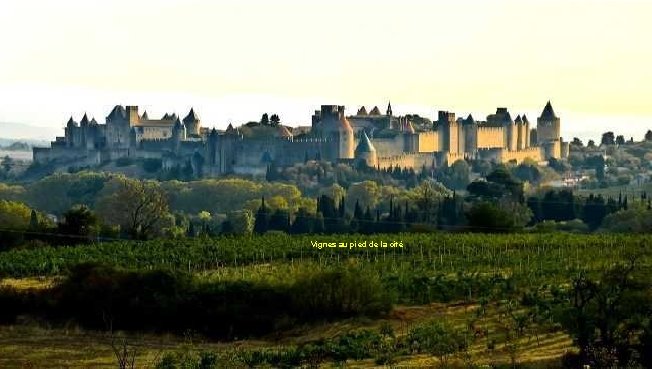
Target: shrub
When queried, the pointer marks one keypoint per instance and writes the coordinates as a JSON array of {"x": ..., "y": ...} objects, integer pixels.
[{"x": 345, "y": 291}]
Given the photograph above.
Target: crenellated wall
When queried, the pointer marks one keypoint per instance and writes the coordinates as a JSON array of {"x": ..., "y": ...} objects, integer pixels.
[
  {"x": 490, "y": 137},
  {"x": 428, "y": 142}
]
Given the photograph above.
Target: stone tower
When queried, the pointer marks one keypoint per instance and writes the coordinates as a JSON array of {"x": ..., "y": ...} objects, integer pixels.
[
  {"x": 470, "y": 129},
  {"x": 192, "y": 123},
  {"x": 178, "y": 135},
  {"x": 451, "y": 132},
  {"x": 132, "y": 115},
  {"x": 548, "y": 125},
  {"x": 365, "y": 153},
  {"x": 333, "y": 125}
]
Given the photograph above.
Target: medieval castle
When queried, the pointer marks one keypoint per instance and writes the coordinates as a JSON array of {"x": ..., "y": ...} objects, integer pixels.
[{"x": 369, "y": 138}]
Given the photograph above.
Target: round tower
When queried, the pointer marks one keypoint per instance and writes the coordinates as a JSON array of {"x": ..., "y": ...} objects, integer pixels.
[
  {"x": 365, "y": 153},
  {"x": 334, "y": 125},
  {"x": 192, "y": 123}
]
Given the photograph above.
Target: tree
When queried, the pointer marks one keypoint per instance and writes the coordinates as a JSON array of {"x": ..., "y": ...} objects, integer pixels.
[
  {"x": 426, "y": 195},
  {"x": 648, "y": 135},
  {"x": 280, "y": 220},
  {"x": 261, "y": 224},
  {"x": 620, "y": 140},
  {"x": 14, "y": 220},
  {"x": 80, "y": 220},
  {"x": 367, "y": 193},
  {"x": 527, "y": 172},
  {"x": 608, "y": 138},
  {"x": 438, "y": 339},
  {"x": 458, "y": 175},
  {"x": 605, "y": 316},
  {"x": 591, "y": 144},
  {"x": 7, "y": 163},
  {"x": 241, "y": 222},
  {"x": 491, "y": 217},
  {"x": 264, "y": 120},
  {"x": 275, "y": 120},
  {"x": 140, "y": 208},
  {"x": 303, "y": 222}
]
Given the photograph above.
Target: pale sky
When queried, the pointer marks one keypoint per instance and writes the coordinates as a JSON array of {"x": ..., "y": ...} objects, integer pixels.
[{"x": 234, "y": 60}]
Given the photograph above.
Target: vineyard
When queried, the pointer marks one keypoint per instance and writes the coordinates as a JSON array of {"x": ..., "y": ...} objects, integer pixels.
[
  {"x": 532, "y": 255},
  {"x": 489, "y": 295}
]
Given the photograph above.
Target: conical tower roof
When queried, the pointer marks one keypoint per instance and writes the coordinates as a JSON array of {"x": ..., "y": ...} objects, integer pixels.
[
  {"x": 144, "y": 116},
  {"x": 362, "y": 111},
  {"x": 118, "y": 112},
  {"x": 548, "y": 112},
  {"x": 375, "y": 111},
  {"x": 191, "y": 117},
  {"x": 71, "y": 122},
  {"x": 178, "y": 124},
  {"x": 365, "y": 144}
]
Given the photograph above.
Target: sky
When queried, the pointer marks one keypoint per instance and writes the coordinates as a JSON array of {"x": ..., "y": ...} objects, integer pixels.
[{"x": 234, "y": 60}]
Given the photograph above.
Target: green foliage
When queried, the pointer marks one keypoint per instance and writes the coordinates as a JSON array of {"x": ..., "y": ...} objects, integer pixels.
[
  {"x": 608, "y": 316},
  {"x": 152, "y": 165},
  {"x": 140, "y": 208},
  {"x": 633, "y": 220},
  {"x": 345, "y": 291},
  {"x": 59, "y": 192},
  {"x": 491, "y": 217},
  {"x": 436, "y": 338},
  {"x": 80, "y": 221},
  {"x": 14, "y": 215},
  {"x": 240, "y": 222},
  {"x": 124, "y": 162}
]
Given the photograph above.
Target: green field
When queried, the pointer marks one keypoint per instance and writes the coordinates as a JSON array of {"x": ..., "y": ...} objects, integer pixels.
[{"x": 473, "y": 282}]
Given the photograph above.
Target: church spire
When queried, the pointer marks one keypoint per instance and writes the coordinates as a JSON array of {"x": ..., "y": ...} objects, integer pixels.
[{"x": 389, "y": 109}]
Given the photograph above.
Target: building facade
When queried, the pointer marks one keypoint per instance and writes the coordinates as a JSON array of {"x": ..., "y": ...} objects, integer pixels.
[{"x": 369, "y": 138}]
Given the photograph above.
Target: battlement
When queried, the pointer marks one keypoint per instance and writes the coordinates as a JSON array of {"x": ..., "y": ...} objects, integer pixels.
[{"x": 445, "y": 116}]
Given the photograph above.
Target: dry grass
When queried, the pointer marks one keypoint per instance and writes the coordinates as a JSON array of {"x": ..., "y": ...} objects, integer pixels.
[{"x": 34, "y": 346}]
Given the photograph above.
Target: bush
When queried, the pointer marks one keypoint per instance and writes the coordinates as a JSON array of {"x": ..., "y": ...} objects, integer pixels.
[
  {"x": 345, "y": 291},
  {"x": 99, "y": 297}
]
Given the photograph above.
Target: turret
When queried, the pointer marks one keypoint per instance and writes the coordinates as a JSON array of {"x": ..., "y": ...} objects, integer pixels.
[
  {"x": 192, "y": 123},
  {"x": 178, "y": 131},
  {"x": 333, "y": 124},
  {"x": 548, "y": 125},
  {"x": 132, "y": 115},
  {"x": 84, "y": 120},
  {"x": 365, "y": 153}
]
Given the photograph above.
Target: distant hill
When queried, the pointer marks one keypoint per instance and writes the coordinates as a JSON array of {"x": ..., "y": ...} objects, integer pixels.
[
  {"x": 32, "y": 135},
  {"x": 17, "y": 146}
]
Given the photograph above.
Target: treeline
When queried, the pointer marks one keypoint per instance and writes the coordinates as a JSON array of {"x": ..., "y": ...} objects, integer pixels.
[{"x": 84, "y": 207}]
